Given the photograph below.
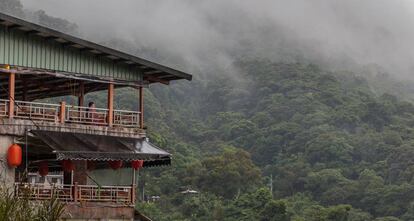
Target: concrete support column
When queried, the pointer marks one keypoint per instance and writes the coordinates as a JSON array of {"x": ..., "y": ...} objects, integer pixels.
[
  {"x": 110, "y": 104},
  {"x": 7, "y": 174}
]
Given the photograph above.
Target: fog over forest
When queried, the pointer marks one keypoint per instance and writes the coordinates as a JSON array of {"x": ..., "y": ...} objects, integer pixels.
[
  {"x": 200, "y": 35},
  {"x": 299, "y": 110}
]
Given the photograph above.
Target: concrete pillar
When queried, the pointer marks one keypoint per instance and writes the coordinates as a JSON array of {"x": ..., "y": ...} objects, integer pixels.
[
  {"x": 7, "y": 174},
  {"x": 110, "y": 104}
]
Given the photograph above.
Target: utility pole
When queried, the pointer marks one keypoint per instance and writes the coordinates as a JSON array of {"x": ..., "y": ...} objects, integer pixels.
[{"x": 143, "y": 193}]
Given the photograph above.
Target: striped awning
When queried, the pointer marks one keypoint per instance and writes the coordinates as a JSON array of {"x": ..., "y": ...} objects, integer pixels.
[{"x": 77, "y": 146}]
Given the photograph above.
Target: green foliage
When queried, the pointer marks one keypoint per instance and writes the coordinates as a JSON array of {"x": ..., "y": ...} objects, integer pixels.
[
  {"x": 335, "y": 149},
  {"x": 13, "y": 208},
  {"x": 228, "y": 174},
  {"x": 338, "y": 145}
]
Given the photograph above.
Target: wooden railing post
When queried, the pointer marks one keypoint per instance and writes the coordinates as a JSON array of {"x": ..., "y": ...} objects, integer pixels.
[
  {"x": 12, "y": 79},
  {"x": 62, "y": 112},
  {"x": 110, "y": 104},
  {"x": 75, "y": 192},
  {"x": 141, "y": 107},
  {"x": 133, "y": 194}
]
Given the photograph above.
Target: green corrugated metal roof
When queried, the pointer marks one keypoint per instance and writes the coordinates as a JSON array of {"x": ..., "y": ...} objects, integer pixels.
[{"x": 30, "y": 45}]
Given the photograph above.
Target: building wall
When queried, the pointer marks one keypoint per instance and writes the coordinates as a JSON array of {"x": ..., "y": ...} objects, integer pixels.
[
  {"x": 6, "y": 173},
  {"x": 18, "y": 48},
  {"x": 95, "y": 211}
]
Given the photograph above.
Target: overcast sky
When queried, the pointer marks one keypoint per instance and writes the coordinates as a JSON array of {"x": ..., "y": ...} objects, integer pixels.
[{"x": 211, "y": 32}]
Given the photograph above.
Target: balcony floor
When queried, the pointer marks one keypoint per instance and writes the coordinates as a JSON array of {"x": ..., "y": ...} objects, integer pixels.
[{"x": 18, "y": 127}]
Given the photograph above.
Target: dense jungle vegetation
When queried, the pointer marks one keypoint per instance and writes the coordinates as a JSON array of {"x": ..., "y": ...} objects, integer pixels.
[
  {"x": 336, "y": 150},
  {"x": 338, "y": 145}
]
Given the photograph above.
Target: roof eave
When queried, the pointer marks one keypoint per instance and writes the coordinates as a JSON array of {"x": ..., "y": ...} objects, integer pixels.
[{"x": 51, "y": 33}]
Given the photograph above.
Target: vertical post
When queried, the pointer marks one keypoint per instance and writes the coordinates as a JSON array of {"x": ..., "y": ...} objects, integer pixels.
[
  {"x": 75, "y": 192},
  {"x": 141, "y": 107},
  {"x": 133, "y": 194},
  {"x": 12, "y": 79},
  {"x": 133, "y": 187},
  {"x": 62, "y": 112},
  {"x": 133, "y": 176},
  {"x": 81, "y": 99},
  {"x": 110, "y": 104}
]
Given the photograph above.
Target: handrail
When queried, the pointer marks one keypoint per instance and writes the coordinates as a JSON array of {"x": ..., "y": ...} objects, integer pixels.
[
  {"x": 86, "y": 115},
  {"x": 73, "y": 193},
  {"x": 38, "y": 103},
  {"x": 42, "y": 192},
  {"x": 4, "y": 104},
  {"x": 35, "y": 110},
  {"x": 70, "y": 114}
]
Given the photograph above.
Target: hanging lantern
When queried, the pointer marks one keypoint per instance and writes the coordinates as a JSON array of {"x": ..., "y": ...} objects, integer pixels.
[
  {"x": 14, "y": 155},
  {"x": 43, "y": 168},
  {"x": 137, "y": 164},
  {"x": 68, "y": 166},
  {"x": 90, "y": 165},
  {"x": 116, "y": 164}
]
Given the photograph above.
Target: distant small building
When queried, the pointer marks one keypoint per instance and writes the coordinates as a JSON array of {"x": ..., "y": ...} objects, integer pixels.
[
  {"x": 189, "y": 191},
  {"x": 153, "y": 198}
]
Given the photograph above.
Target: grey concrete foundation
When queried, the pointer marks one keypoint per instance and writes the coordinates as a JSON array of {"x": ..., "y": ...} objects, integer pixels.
[{"x": 6, "y": 173}]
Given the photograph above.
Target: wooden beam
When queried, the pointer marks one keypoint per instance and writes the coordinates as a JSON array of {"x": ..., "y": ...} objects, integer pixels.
[
  {"x": 12, "y": 80},
  {"x": 36, "y": 94},
  {"x": 141, "y": 107},
  {"x": 110, "y": 104},
  {"x": 155, "y": 79},
  {"x": 153, "y": 72}
]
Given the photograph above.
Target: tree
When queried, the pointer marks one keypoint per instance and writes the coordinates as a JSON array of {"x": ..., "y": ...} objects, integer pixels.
[
  {"x": 275, "y": 210},
  {"x": 228, "y": 174}
]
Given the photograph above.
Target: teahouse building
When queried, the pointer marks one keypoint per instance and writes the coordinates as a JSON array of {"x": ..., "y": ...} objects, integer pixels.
[{"x": 37, "y": 63}]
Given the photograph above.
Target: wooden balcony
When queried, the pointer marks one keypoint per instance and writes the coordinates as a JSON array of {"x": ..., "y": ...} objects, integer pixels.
[
  {"x": 70, "y": 116},
  {"x": 62, "y": 113},
  {"x": 114, "y": 195}
]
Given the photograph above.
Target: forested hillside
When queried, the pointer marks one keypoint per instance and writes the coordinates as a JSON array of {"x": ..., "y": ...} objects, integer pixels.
[
  {"x": 336, "y": 146},
  {"x": 335, "y": 149}
]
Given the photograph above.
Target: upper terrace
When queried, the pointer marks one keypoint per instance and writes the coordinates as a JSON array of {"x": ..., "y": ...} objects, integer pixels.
[{"x": 38, "y": 62}]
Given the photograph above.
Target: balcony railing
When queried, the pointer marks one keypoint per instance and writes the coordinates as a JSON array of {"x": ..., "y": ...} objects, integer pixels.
[
  {"x": 121, "y": 195},
  {"x": 95, "y": 116},
  {"x": 36, "y": 111},
  {"x": 61, "y": 113}
]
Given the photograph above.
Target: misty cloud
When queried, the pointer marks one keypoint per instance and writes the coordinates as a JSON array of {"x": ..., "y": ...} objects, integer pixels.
[{"x": 203, "y": 36}]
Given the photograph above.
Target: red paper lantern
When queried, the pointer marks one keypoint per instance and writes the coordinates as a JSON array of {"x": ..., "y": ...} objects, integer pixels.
[
  {"x": 14, "y": 155},
  {"x": 137, "y": 164},
  {"x": 68, "y": 166},
  {"x": 43, "y": 168},
  {"x": 116, "y": 164}
]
